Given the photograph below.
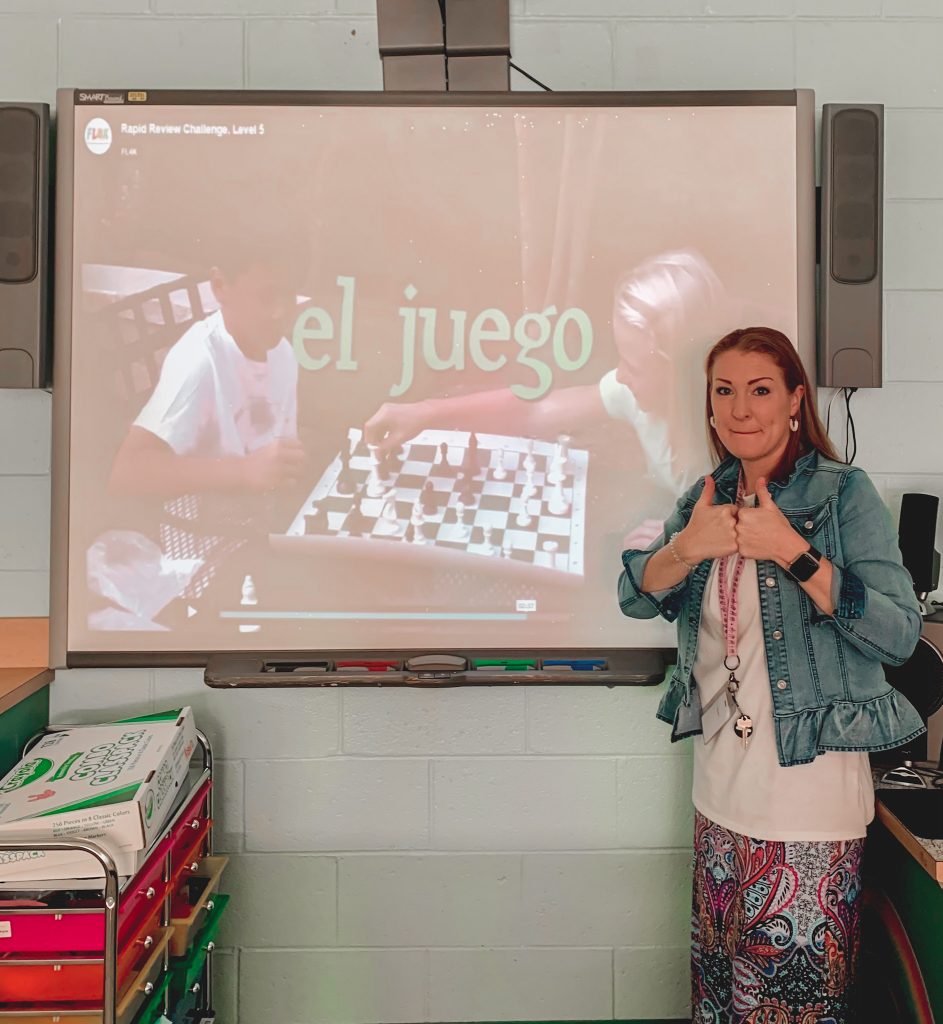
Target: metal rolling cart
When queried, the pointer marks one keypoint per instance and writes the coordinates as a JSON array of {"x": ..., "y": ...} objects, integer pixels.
[{"x": 148, "y": 962}]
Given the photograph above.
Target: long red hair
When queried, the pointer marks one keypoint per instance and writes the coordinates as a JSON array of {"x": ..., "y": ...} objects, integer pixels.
[{"x": 770, "y": 342}]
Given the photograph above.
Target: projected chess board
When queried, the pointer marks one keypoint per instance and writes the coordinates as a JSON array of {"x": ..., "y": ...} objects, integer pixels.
[{"x": 487, "y": 495}]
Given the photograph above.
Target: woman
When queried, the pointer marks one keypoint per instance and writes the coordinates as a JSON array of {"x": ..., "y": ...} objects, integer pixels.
[{"x": 783, "y": 573}]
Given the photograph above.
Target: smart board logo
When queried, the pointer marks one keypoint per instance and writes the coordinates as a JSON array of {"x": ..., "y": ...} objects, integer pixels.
[
  {"x": 149, "y": 806},
  {"x": 98, "y": 136},
  {"x": 101, "y": 97}
]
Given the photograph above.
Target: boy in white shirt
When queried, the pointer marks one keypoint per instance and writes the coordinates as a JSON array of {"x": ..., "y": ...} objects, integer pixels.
[
  {"x": 215, "y": 439},
  {"x": 223, "y": 416}
]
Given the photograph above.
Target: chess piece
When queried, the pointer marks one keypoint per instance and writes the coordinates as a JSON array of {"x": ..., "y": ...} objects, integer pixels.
[
  {"x": 430, "y": 504},
  {"x": 506, "y": 546},
  {"x": 530, "y": 488},
  {"x": 357, "y": 523},
  {"x": 486, "y": 532},
  {"x": 385, "y": 467},
  {"x": 480, "y": 459},
  {"x": 314, "y": 521},
  {"x": 556, "y": 464},
  {"x": 388, "y": 521},
  {"x": 388, "y": 510},
  {"x": 375, "y": 487},
  {"x": 249, "y": 596},
  {"x": 523, "y": 517},
  {"x": 499, "y": 472},
  {"x": 463, "y": 530},
  {"x": 443, "y": 454},
  {"x": 557, "y": 505},
  {"x": 466, "y": 492},
  {"x": 530, "y": 463},
  {"x": 346, "y": 483}
]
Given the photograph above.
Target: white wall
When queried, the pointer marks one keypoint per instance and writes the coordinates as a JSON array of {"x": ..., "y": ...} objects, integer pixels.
[{"x": 475, "y": 854}]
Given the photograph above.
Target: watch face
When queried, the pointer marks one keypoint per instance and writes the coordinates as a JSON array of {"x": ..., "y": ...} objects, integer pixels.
[{"x": 803, "y": 567}]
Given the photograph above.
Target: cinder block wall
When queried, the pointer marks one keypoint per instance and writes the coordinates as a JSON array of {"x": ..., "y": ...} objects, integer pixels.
[{"x": 476, "y": 855}]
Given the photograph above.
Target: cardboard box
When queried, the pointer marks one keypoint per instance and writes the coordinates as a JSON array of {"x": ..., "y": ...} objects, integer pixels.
[{"x": 115, "y": 784}]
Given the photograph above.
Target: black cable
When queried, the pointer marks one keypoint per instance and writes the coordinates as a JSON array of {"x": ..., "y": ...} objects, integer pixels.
[
  {"x": 844, "y": 393},
  {"x": 847, "y": 424},
  {"x": 536, "y": 81},
  {"x": 851, "y": 436}
]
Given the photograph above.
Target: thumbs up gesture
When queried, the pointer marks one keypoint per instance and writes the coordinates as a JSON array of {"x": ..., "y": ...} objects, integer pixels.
[
  {"x": 763, "y": 531},
  {"x": 712, "y": 530}
]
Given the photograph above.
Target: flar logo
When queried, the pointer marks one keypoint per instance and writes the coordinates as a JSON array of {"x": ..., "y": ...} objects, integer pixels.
[{"x": 98, "y": 136}]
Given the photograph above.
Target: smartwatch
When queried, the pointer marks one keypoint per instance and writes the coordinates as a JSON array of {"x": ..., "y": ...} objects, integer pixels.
[{"x": 805, "y": 566}]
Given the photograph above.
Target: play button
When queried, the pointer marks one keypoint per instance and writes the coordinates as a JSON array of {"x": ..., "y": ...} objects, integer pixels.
[{"x": 191, "y": 611}]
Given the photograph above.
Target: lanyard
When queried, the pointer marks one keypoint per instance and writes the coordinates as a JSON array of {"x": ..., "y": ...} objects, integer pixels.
[
  {"x": 729, "y": 609},
  {"x": 728, "y": 592}
]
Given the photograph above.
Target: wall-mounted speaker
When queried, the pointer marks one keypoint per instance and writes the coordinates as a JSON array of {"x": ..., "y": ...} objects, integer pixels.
[
  {"x": 851, "y": 246},
  {"x": 437, "y": 45},
  {"x": 916, "y": 536},
  {"x": 411, "y": 37},
  {"x": 478, "y": 45},
  {"x": 24, "y": 245}
]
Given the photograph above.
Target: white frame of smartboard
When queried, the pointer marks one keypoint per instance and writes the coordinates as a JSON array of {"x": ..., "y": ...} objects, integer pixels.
[{"x": 67, "y": 101}]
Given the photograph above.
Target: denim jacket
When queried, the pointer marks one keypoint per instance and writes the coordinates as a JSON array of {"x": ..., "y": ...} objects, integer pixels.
[{"x": 828, "y": 685}]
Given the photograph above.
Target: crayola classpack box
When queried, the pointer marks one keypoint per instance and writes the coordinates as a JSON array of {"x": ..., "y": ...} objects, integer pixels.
[{"x": 112, "y": 783}]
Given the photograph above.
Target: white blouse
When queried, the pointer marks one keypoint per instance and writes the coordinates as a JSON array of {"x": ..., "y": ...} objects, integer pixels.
[{"x": 748, "y": 791}]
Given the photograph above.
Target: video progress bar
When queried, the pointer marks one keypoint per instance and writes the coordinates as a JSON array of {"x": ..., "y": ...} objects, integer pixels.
[{"x": 422, "y": 616}]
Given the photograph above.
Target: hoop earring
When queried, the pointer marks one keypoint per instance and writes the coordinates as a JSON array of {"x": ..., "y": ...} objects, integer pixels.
[
  {"x": 713, "y": 422},
  {"x": 793, "y": 424}
]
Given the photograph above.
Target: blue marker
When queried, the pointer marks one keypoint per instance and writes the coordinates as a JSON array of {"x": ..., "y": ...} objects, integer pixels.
[{"x": 576, "y": 664}]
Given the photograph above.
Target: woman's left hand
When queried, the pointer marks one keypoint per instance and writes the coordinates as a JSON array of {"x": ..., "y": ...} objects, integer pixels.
[{"x": 764, "y": 532}]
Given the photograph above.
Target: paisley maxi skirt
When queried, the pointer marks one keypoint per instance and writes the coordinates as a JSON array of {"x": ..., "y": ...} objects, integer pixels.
[{"x": 775, "y": 928}]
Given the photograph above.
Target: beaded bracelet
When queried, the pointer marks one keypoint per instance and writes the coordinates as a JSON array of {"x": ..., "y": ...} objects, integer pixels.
[{"x": 674, "y": 551}]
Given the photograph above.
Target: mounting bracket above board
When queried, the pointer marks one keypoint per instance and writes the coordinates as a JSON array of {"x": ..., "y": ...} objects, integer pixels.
[{"x": 641, "y": 667}]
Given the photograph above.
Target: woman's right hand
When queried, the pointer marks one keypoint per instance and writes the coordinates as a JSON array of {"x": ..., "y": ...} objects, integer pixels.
[{"x": 712, "y": 530}]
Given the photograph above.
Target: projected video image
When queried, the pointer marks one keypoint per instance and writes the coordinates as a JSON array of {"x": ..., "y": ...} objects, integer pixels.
[
  {"x": 454, "y": 491},
  {"x": 384, "y": 377}
]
